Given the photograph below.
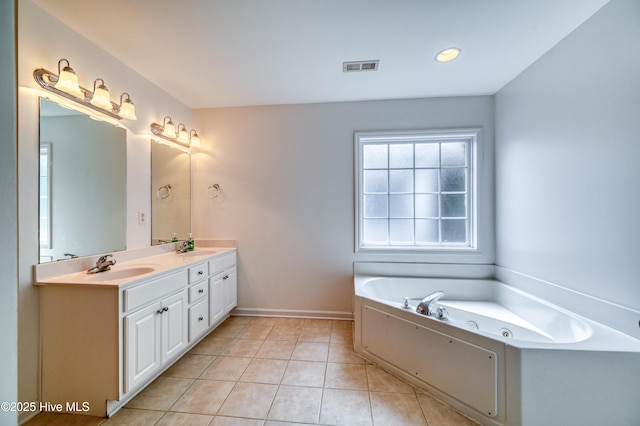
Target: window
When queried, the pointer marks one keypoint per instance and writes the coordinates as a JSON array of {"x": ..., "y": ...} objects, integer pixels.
[{"x": 415, "y": 190}]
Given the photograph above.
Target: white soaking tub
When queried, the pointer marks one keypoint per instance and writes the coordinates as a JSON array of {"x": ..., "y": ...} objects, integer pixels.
[{"x": 502, "y": 356}]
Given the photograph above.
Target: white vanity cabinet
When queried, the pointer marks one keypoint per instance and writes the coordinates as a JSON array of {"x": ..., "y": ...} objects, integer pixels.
[
  {"x": 157, "y": 332},
  {"x": 223, "y": 287},
  {"x": 104, "y": 339},
  {"x": 198, "y": 302}
]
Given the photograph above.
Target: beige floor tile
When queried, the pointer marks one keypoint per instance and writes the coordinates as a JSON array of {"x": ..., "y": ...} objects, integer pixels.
[
  {"x": 255, "y": 331},
  {"x": 343, "y": 352},
  {"x": 242, "y": 347},
  {"x": 284, "y": 332},
  {"x": 184, "y": 419},
  {"x": 317, "y": 323},
  {"x": 276, "y": 349},
  {"x": 304, "y": 373},
  {"x": 44, "y": 418},
  {"x": 296, "y": 404},
  {"x": 381, "y": 381},
  {"x": 291, "y": 322},
  {"x": 236, "y": 421},
  {"x": 211, "y": 345},
  {"x": 203, "y": 397},
  {"x": 345, "y": 407},
  {"x": 398, "y": 409},
  {"x": 315, "y": 334},
  {"x": 76, "y": 420},
  {"x": 134, "y": 417},
  {"x": 346, "y": 376},
  {"x": 310, "y": 351},
  {"x": 264, "y": 320},
  {"x": 228, "y": 330},
  {"x": 341, "y": 335},
  {"x": 226, "y": 368},
  {"x": 262, "y": 370},
  {"x": 439, "y": 414},
  {"x": 189, "y": 366},
  {"x": 341, "y": 324},
  {"x": 161, "y": 394},
  {"x": 238, "y": 320},
  {"x": 269, "y": 423},
  {"x": 249, "y": 400}
]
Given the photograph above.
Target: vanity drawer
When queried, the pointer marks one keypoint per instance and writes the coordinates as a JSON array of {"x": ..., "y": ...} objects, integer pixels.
[
  {"x": 143, "y": 294},
  {"x": 198, "y": 319},
  {"x": 198, "y": 291},
  {"x": 221, "y": 263},
  {"x": 197, "y": 273}
]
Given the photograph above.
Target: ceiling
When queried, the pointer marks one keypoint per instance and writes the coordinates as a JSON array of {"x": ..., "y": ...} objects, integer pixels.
[{"x": 214, "y": 53}]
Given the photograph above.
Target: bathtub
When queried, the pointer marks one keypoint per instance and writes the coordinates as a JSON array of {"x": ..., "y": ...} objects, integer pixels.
[{"x": 502, "y": 356}]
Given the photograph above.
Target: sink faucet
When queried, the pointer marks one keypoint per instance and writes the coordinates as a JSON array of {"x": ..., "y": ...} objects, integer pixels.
[
  {"x": 425, "y": 307},
  {"x": 103, "y": 264},
  {"x": 183, "y": 247}
]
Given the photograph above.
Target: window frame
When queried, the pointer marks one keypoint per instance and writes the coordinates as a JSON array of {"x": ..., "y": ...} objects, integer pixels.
[{"x": 470, "y": 135}]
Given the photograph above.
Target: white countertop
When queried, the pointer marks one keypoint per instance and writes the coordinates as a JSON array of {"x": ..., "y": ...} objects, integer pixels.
[{"x": 132, "y": 271}]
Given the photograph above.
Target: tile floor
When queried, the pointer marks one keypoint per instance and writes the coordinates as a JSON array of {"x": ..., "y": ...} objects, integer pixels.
[{"x": 262, "y": 371}]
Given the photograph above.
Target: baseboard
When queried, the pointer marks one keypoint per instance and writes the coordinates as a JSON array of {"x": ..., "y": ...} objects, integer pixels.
[{"x": 292, "y": 313}]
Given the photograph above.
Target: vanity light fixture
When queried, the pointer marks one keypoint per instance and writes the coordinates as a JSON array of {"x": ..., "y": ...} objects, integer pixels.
[
  {"x": 448, "y": 54},
  {"x": 167, "y": 131},
  {"x": 68, "y": 80},
  {"x": 127, "y": 109},
  {"x": 183, "y": 135},
  {"x": 65, "y": 84},
  {"x": 101, "y": 96}
]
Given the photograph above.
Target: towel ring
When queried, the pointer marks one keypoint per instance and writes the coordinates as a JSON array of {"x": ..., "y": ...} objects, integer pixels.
[
  {"x": 211, "y": 194},
  {"x": 164, "y": 191}
]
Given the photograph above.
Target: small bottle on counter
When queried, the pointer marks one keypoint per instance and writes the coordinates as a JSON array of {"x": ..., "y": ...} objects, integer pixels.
[
  {"x": 191, "y": 243},
  {"x": 174, "y": 239}
]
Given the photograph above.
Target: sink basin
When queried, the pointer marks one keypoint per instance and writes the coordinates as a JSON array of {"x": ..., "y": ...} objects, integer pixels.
[{"x": 121, "y": 274}]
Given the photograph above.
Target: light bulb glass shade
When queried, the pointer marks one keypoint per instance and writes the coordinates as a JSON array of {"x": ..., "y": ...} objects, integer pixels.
[
  {"x": 183, "y": 135},
  {"x": 195, "y": 139},
  {"x": 127, "y": 109},
  {"x": 169, "y": 129},
  {"x": 68, "y": 83},
  {"x": 101, "y": 97}
]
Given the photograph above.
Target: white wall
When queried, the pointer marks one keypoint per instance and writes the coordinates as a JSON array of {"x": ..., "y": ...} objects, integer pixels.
[
  {"x": 8, "y": 214},
  {"x": 287, "y": 180},
  {"x": 42, "y": 41},
  {"x": 567, "y": 152}
]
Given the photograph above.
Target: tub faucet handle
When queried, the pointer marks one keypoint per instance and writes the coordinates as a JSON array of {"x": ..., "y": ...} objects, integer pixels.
[{"x": 405, "y": 303}]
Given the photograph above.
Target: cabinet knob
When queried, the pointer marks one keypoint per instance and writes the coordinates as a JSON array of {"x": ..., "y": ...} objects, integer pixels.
[
  {"x": 201, "y": 291},
  {"x": 200, "y": 272},
  {"x": 162, "y": 310},
  {"x": 226, "y": 277},
  {"x": 200, "y": 318}
]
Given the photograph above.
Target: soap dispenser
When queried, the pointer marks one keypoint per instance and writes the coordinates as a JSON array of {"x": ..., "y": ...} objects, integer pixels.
[
  {"x": 174, "y": 239},
  {"x": 191, "y": 243}
]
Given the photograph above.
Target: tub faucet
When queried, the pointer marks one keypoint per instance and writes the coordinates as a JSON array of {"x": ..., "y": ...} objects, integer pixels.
[
  {"x": 425, "y": 307},
  {"x": 103, "y": 264}
]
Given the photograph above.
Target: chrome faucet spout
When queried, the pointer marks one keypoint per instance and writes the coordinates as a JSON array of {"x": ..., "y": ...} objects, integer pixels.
[
  {"x": 425, "y": 307},
  {"x": 103, "y": 264}
]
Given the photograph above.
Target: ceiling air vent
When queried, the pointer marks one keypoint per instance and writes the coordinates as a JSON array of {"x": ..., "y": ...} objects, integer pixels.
[{"x": 360, "y": 66}]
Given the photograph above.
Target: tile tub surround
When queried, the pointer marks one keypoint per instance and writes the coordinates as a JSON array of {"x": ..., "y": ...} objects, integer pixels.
[{"x": 264, "y": 371}]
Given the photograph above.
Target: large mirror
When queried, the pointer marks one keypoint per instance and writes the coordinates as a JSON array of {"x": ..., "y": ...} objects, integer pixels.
[
  {"x": 170, "y": 193},
  {"x": 82, "y": 184}
]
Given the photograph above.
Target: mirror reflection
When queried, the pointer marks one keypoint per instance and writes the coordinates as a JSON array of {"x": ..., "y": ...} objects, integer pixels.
[
  {"x": 170, "y": 193},
  {"x": 82, "y": 184}
]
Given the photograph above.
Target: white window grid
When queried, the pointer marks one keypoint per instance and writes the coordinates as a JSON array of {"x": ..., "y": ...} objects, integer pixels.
[{"x": 468, "y": 138}]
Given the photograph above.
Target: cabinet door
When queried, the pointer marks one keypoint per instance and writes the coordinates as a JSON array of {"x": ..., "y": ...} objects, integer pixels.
[
  {"x": 174, "y": 325},
  {"x": 142, "y": 345},
  {"x": 230, "y": 280},
  {"x": 216, "y": 299},
  {"x": 198, "y": 319}
]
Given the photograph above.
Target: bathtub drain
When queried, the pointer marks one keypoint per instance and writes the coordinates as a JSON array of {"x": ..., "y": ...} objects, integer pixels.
[{"x": 505, "y": 332}]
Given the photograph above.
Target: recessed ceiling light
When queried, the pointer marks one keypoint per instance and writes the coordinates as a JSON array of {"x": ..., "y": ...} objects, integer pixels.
[{"x": 448, "y": 54}]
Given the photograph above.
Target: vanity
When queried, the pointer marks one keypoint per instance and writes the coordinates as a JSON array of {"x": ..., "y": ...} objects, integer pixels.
[{"x": 106, "y": 336}]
